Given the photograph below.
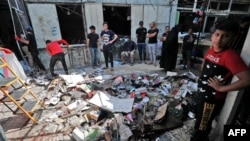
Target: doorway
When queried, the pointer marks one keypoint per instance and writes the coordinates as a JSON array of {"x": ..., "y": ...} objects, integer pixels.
[
  {"x": 71, "y": 23},
  {"x": 119, "y": 20}
]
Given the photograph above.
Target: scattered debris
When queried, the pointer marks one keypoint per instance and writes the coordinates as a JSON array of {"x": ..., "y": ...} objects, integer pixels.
[{"x": 133, "y": 106}]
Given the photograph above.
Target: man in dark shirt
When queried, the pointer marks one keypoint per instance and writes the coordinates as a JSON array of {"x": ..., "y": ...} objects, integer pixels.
[
  {"x": 92, "y": 43},
  {"x": 152, "y": 42},
  {"x": 128, "y": 51},
  {"x": 108, "y": 37},
  {"x": 141, "y": 33},
  {"x": 31, "y": 42},
  {"x": 187, "y": 48}
]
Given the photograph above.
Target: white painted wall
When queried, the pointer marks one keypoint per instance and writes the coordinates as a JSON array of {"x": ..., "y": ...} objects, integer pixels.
[
  {"x": 94, "y": 16},
  {"x": 136, "y": 17},
  {"x": 45, "y": 23}
]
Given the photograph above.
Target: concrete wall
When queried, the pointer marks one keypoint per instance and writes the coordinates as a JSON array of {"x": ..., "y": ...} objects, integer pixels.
[{"x": 44, "y": 22}]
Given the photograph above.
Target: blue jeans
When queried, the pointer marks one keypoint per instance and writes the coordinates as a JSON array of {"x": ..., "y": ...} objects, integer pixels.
[
  {"x": 152, "y": 52},
  {"x": 142, "y": 50},
  {"x": 94, "y": 54}
]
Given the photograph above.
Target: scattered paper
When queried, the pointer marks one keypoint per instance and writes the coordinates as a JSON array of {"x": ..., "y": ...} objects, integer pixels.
[
  {"x": 170, "y": 73},
  {"x": 72, "y": 80},
  {"x": 111, "y": 103}
]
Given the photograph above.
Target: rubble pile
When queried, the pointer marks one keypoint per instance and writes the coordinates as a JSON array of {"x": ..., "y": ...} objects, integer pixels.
[{"x": 135, "y": 106}]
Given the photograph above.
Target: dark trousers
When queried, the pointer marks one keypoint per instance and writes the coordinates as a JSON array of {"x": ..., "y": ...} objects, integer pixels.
[
  {"x": 205, "y": 113},
  {"x": 54, "y": 59},
  {"x": 186, "y": 54},
  {"x": 108, "y": 55},
  {"x": 37, "y": 61},
  {"x": 142, "y": 50}
]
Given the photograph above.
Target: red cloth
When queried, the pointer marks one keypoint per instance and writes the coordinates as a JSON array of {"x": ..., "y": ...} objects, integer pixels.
[
  {"x": 225, "y": 64},
  {"x": 54, "y": 47}
]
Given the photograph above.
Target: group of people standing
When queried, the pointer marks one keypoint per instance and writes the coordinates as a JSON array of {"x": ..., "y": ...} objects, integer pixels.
[
  {"x": 108, "y": 37},
  {"x": 104, "y": 43},
  {"x": 170, "y": 46}
]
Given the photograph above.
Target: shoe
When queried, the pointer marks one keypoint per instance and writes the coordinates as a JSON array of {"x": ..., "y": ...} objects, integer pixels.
[
  {"x": 145, "y": 62},
  {"x": 123, "y": 63},
  {"x": 112, "y": 69},
  {"x": 131, "y": 64},
  {"x": 94, "y": 67},
  {"x": 55, "y": 75},
  {"x": 67, "y": 73},
  {"x": 104, "y": 68}
]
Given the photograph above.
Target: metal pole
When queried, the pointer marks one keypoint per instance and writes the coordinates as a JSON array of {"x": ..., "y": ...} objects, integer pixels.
[
  {"x": 17, "y": 5},
  {"x": 229, "y": 6},
  {"x": 18, "y": 17},
  {"x": 204, "y": 25},
  {"x": 85, "y": 32},
  {"x": 18, "y": 45},
  {"x": 195, "y": 4}
]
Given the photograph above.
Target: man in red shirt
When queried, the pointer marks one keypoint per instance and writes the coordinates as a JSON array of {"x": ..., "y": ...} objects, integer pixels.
[{"x": 54, "y": 49}]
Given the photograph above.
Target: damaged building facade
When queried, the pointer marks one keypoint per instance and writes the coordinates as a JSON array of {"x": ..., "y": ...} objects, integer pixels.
[
  {"x": 70, "y": 20},
  {"x": 85, "y": 105}
]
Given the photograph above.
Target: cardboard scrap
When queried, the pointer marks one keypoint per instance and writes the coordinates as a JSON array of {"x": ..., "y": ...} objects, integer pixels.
[
  {"x": 161, "y": 112},
  {"x": 111, "y": 103}
]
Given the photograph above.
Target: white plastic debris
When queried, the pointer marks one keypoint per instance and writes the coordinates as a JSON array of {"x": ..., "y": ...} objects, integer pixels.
[
  {"x": 76, "y": 104},
  {"x": 170, "y": 73},
  {"x": 78, "y": 135},
  {"x": 182, "y": 92},
  {"x": 72, "y": 80}
]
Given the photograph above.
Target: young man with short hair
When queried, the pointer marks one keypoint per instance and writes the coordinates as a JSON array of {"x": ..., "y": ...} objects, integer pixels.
[
  {"x": 219, "y": 65},
  {"x": 92, "y": 45},
  {"x": 152, "y": 42},
  {"x": 187, "y": 48},
  {"x": 108, "y": 37},
  {"x": 128, "y": 51},
  {"x": 141, "y": 33}
]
